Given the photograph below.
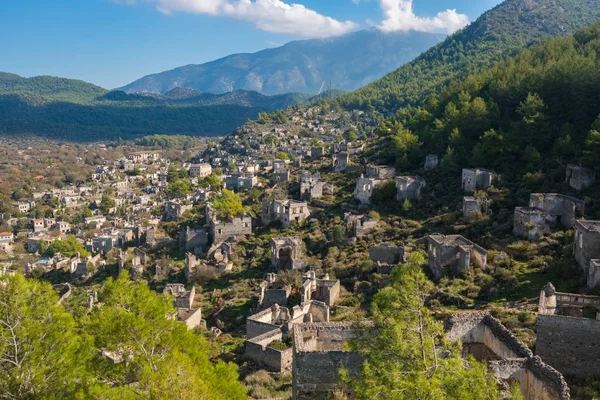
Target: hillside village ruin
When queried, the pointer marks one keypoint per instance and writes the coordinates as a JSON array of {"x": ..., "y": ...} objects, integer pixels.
[{"x": 290, "y": 321}]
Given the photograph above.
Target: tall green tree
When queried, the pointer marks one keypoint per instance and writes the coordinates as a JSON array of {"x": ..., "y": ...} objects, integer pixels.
[
  {"x": 402, "y": 352},
  {"x": 161, "y": 358},
  {"x": 42, "y": 355}
]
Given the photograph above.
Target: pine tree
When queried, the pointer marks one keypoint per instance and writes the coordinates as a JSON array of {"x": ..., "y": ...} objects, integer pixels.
[{"x": 405, "y": 354}]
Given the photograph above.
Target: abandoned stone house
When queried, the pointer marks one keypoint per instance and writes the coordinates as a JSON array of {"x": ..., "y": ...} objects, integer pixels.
[
  {"x": 200, "y": 170},
  {"x": 386, "y": 257},
  {"x": 453, "y": 254},
  {"x": 276, "y": 324},
  {"x": 182, "y": 298},
  {"x": 341, "y": 162},
  {"x": 380, "y": 172},
  {"x": 409, "y": 188},
  {"x": 474, "y": 179},
  {"x": 271, "y": 292},
  {"x": 287, "y": 253},
  {"x": 364, "y": 189},
  {"x": 175, "y": 209},
  {"x": 284, "y": 211},
  {"x": 192, "y": 265},
  {"x": 587, "y": 249},
  {"x": 238, "y": 182},
  {"x": 219, "y": 230},
  {"x": 579, "y": 177},
  {"x": 487, "y": 340},
  {"x": 312, "y": 187},
  {"x": 279, "y": 166},
  {"x": 317, "y": 152},
  {"x": 183, "y": 301},
  {"x": 566, "y": 339},
  {"x": 220, "y": 254},
  {"x": 432, "y": 161},
  {"x": 360, "y": 225},
  {"x": 544, "y": 211},
  {"x": 193, "y": 240},
  {"x": 473, "y": 207},
  {"x": 318, "y": 355},
  {"x": 324, "y": 290},
  {"x": 280, "y": 177}
]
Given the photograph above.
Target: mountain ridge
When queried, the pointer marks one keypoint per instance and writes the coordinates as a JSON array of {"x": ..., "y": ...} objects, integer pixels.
[
  {"x": 349, "y": 61},
  {"x": 494, "y": 36}
]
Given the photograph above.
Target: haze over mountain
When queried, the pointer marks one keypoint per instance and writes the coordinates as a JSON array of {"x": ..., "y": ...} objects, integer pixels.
[
  {"x": 496, "y": 35},
  {"x": 349, "y": 62}
]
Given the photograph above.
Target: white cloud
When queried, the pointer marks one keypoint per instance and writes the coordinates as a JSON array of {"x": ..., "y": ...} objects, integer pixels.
[
  {"x": 267, "y": 15},
  {"x": 399, "y": 16}
]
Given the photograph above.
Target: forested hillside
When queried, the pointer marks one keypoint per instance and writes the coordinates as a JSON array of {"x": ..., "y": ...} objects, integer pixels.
[
  {"x": 76, "y": 110},
  {"x": 496, "y": 35},
  {"x": 536, "y": 111}
]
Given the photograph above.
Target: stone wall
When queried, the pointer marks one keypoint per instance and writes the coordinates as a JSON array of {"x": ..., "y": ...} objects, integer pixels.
[
  {"x": 275, "y": 296},
  {"x": 386, "y": 254},
  {"x": 259, "y": 324},
  {"x": 271, "y": 359},
  {"x": 570, "y": 345},
  {"x": 233, "y": 227},
  {"x": 507, "y": 356},
  {"x": 318, "y": 356},
  {"x": 587, "y": 242}
]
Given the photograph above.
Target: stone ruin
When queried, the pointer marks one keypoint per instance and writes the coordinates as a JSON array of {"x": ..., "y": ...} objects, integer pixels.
[
  {"x": 340, "y": 162},
  {"x": 473, "y": 207},
  {"x": 360, "y": 225},
  {"x": 183, "y": 301},
  {"x": 409, "y": 188},
  {"x": 386, "y": 257},
  {"x": 287, "y": 253},
  {"x": 317, "y": 152},
  {"x": 432, "y": 161},
  {"x": 218, "y": 257},
  {"x": 231, "y": 227},
  {"x": 280, "y": 177},
  {"x": 276, "y": 324},
  {"x": 220, "y": 254},
  {"x": 579, "y": 177},
  {"x": 565, "y": 338},
  {"x": 474, "y": 179},
  {"x": 284, "y": 211},
  {"x": 318, "y": 355},
  {"x": 587, "y": 249},
  {"x": 324, "y": 290},
  {"x": 381, "y": 172},
  {"x": 313, "y": 187},
  {"x": 272, "y": 292},
  {"x": 364, "y": 189},
  {"x": 544, "y": 211},
  {"x": 487, "y": 340},
  {"x": 453, "y": 254}
]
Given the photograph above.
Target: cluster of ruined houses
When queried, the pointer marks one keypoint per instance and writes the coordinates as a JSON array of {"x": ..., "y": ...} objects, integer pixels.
[{"x": 565, "y": 345}]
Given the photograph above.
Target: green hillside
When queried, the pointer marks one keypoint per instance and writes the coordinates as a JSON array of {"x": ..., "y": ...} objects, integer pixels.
[
  {"x": 73, "y": 109},
  {"x": 496, "y": 35},
  {"x": 532, "y": 113}
]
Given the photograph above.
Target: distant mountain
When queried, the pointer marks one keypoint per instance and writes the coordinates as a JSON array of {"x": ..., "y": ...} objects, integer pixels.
[
  {"x": 496, "y": 35},
  {"x": 73, "y": 109},
  {"x": 349, "y": 62}
]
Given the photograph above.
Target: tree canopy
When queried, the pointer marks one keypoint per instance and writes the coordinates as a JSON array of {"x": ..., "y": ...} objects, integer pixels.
[
  {"x": 130, "y": 347},
  {"x": 227, "y": 204},
  {"x": 403, "y": 350}
]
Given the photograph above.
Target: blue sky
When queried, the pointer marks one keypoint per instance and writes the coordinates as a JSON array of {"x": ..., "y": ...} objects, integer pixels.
[{"x": 113, "y": 42}]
